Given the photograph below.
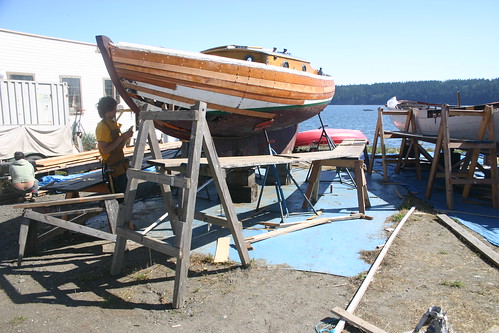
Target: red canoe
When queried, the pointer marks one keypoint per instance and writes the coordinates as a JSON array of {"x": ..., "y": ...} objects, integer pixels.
[{"x": 307, "y": 138}]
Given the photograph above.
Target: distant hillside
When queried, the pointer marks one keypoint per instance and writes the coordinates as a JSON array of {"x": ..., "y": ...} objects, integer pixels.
[{"x": 472, "y": 91}]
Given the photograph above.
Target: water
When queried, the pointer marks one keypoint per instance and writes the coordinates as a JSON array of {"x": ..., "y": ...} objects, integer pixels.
[{"x": 352, "y": 117}]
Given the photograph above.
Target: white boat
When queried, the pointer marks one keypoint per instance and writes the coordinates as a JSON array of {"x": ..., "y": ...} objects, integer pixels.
[{"x": 427, "y": 118}]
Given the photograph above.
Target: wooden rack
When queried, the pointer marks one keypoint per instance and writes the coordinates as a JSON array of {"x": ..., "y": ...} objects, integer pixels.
[
  {"x": 181, "y": 218},
  {"x": 444, "y": 145},
  {"x": 56, "y": 213}
]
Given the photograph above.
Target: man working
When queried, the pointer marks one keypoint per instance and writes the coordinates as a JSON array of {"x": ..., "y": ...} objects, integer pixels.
[
  {"x": 24, "y": 182},
  {"x": 110, "y": 142}
]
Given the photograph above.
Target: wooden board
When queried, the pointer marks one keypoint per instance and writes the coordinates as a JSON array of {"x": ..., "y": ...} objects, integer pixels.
[
  {"x": 347, "y": 149},
  {"x": 470, "y": 239},
  {"x": 356, "y": 321},
  {"x": 222, "y": 251}
]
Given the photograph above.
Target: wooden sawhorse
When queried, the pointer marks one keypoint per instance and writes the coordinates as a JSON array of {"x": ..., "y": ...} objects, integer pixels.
[
  {"x": 53, "y": 212},
  {"x": 181, "y": 216},
  {"x": 349, "y": 152}
]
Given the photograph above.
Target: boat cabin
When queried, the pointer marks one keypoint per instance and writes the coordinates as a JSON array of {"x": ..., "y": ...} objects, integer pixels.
[{"x": 264, "y": 56}]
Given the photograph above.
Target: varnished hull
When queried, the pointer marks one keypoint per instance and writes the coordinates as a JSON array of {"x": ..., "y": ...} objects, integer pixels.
[{"x": 242, "y": 97}]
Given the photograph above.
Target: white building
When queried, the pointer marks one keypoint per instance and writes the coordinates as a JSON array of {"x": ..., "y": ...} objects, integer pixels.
[{"x": 53, "y": 60}]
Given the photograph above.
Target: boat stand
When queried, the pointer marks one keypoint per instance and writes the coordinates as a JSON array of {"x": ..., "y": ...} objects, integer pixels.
[
  {"x": 331, "y": 144},
  {"x": 182, "y": 214},
  {"x": 278, "y": 186},
  {"x": 444, "y": 145}
]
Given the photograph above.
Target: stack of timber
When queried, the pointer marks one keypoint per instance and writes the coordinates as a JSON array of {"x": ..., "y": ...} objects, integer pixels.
[{"x": 90, "y": 159}]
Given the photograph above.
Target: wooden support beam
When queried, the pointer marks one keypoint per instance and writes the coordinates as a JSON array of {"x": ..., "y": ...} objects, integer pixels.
[
  {"x": 470, "y": 239},
  {"x": 302, "y": 225},
  {"x": 370, "y": 275},
  {"x": 356, "y": 321}
]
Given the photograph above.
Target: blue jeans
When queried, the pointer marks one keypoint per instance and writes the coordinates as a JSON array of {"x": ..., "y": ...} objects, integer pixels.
[{"x": 33, "y": 189}]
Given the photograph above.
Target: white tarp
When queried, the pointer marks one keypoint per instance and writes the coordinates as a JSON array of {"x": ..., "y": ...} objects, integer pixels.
[{"x": 46, "y": 140}]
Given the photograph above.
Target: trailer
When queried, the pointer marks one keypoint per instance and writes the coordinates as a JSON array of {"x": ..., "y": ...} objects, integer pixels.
[{"x": 34, "y": 119}]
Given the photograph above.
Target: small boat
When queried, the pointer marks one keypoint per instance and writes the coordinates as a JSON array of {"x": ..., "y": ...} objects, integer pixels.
[
  {"x": 427, "y": 118},
  {"x": 247, "y": 89},
  {"x": 312, "y": 137}
]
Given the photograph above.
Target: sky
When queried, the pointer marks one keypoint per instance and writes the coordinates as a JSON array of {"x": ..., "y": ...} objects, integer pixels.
[{"x": 355, "y": 41}]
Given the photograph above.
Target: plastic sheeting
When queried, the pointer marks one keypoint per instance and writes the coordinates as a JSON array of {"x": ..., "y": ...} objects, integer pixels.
[{"x": 46, "y": 140}]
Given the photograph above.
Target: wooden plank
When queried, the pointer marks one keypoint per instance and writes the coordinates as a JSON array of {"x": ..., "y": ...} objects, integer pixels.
[
  {"x": 221, "y": 221},
  {"x": 347, "y": 149},
  {"x": 470, "y": 239},
  {"x": 159, "y": 178},
  {"x": 303, "y": 225},
  {"x": 68, "y": 225},
  {"x": 169, "y": 115},
  {"x": 356, "y": 321},
  {"x": 70, "y": 201},
  {"x": 152, "y": 243},
  {"x": 222, "y": 251},
  {"x": 370, "y": 275}
]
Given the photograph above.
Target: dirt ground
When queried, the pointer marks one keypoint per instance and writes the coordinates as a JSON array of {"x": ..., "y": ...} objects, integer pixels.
[{"x": 67, "y": 287}]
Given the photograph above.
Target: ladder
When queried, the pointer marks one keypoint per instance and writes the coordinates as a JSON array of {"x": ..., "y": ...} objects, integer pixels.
[{"x": 181, "y": 217}]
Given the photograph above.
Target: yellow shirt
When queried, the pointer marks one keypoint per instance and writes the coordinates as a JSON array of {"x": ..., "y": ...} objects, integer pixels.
[{"x": 104, "y": 132}]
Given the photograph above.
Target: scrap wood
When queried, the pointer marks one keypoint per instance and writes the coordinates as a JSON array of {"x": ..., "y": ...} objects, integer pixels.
[
  {"x": 470, "y": 239},
  {"x": 302, "y": 225},
  {"x": 222, "y": 251},
  {"x": 370, "y": 275},
  {"x": 356, "y": 321}
]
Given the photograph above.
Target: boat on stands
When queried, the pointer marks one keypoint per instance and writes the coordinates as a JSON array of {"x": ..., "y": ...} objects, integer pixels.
[
  {"x": 318, "y": 137},
  {"x": 247, "y": 89},
  {"x": 427, "y": 118}
]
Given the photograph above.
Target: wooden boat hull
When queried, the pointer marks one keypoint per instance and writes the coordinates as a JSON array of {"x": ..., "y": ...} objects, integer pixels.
[
  {"x": 428, "y": 121},
  {"x": 243, "y": 97},
  {"x": 312, "y": 137}
]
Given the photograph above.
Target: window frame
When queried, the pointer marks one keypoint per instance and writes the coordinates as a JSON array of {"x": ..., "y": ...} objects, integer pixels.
[
  {"x": 79, "y": 108},
  {"x": 11, "y": 74},
  {"x": 114, "y": 94}
]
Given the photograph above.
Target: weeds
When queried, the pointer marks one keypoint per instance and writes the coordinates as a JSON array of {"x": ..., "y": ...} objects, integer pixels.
[
  {"x": 453, "y": 284},
  {"x": 17, "y": 320}
]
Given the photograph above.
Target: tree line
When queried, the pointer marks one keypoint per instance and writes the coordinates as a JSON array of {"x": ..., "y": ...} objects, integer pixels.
[{"x": 472, "y": 92}]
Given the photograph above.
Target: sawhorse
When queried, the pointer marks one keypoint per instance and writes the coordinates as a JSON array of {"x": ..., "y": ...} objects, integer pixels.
[
  {"x": 181, "y": 218},
  {"x": 54, "y": 212}
]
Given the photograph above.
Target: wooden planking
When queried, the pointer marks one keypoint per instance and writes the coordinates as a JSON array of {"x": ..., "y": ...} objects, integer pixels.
[
  {"x": 186, "y": 100},
  {"x": 470, "y": 239},
  {"x": 239, "y": 90},
  {"x": 204, "y": 67},
  {"x": 92, "y": 155},
  {"x": 356, "y": 321},
  {"x": 347, "y": 149}
]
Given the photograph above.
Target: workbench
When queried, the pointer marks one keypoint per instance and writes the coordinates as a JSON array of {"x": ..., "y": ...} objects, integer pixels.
[{"x": 346, "y": 155}]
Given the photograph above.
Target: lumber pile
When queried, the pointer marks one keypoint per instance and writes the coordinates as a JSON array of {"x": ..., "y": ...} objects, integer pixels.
[{"x": 88, "y": 157}]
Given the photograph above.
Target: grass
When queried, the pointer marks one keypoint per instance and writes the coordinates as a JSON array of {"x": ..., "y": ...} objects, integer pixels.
[
  {"x": 17, "y": 320},
  {"x": 452, "y": 284}
]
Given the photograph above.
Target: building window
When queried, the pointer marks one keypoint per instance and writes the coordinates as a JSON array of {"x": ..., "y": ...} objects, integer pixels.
[
  {"x": 110, "y": 90},
  {"x": 74, "y": 92},
  {"x": 304, "y": 68},
  {"x": 285, "y": 64},
  {"x": 21, "y": 76}
]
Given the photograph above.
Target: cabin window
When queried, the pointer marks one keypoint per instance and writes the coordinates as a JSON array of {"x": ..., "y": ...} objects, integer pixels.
[
  {"x": 248, "y": 58},
  {"x": 74, "y": 94},
  {"x": 21, "y": 76},
  {"x": 110, "y": 90},
  {"x": 304, "y": 68},
  {"x": 285, "y": 64}
]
